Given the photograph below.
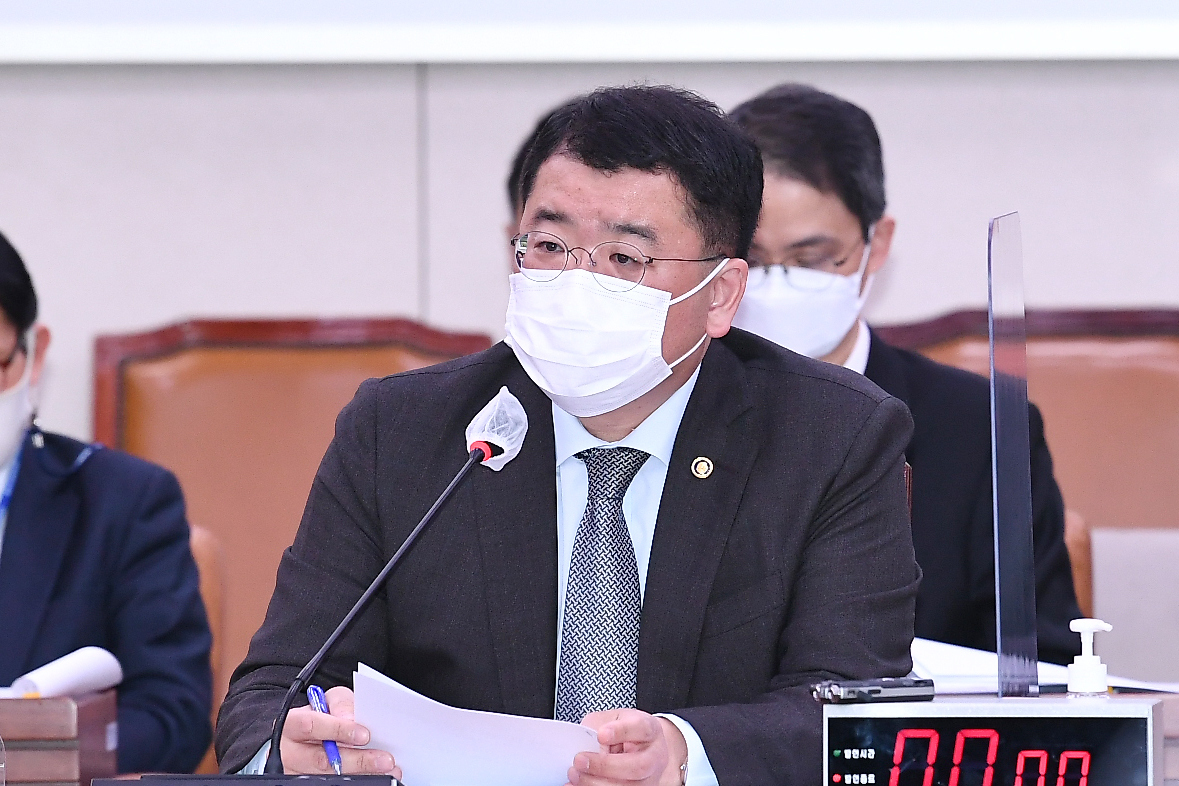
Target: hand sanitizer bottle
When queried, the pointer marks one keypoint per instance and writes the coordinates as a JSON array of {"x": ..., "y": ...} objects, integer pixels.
[{"x": 1087, "y": 675}]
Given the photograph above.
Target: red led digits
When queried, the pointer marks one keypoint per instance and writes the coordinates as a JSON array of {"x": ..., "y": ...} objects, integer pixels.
[
  {"x": 1065, "y": 758},
  {"x": 898, "y": 754},
  {"x": 991, "y": 736},
  {"x": 1031, "y": 766},
  {"x": 1021, "y": 762}
]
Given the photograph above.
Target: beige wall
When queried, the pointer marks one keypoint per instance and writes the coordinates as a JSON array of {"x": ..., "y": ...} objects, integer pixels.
[{"x": 142, "y": 195}]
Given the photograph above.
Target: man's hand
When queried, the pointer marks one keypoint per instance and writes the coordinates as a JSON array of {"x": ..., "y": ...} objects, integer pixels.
[
  {"x": 305, "y": 730},
  {"x": 636, "y": 748}
]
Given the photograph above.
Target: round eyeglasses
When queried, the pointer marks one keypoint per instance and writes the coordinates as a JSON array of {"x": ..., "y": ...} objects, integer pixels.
[{"x": 541, "y": 256}]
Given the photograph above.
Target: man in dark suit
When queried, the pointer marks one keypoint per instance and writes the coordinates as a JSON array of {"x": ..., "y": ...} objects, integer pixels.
[
  {"x": 764, "y": 532},
  {"x": 822, "y": 237},
  {"x": 94, "y": 552}
]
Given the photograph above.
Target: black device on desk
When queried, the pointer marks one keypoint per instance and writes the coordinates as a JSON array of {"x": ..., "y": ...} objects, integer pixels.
[{"x": 883, "y": 689}]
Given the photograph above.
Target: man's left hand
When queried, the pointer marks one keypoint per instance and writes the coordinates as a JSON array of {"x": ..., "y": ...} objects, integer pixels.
[{"x": 636, "y": 748}]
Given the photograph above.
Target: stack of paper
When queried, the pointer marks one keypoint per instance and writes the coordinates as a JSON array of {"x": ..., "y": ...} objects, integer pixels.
[{"x": 437, "y": 745}]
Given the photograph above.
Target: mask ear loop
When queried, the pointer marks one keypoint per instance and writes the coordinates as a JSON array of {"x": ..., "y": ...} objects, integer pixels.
[
  {"x": 867, "y": 253},
  {"x": 865, "y": 288},
  {"x": 715, "y": 272},
  {"x": 684, "y": 356}
]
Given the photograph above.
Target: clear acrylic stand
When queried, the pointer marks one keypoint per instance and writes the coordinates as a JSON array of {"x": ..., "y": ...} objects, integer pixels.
[{"x": 1015, "y": 578}]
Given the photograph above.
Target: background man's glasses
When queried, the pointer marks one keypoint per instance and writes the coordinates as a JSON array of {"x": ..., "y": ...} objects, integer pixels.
[
  {"x": 811, "y": 272},
  {"x": 541, "y": 256}
]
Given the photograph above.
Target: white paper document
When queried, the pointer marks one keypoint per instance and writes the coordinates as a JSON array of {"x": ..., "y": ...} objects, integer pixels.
[
  {"x": 955, "y": 669},
  {"x": 438, "y": 745}
]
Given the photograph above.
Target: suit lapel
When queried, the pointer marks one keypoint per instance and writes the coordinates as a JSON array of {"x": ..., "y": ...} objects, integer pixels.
[
  {"x": 516, "y": 510},
  {"x": 41, "y": 520},
  {"x": 884, "y": 368},
  {"x": 695, "y": 517}
]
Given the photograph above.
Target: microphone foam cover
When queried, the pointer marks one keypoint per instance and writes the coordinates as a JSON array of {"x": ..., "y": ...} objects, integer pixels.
[{"x": 503, "y": 423}]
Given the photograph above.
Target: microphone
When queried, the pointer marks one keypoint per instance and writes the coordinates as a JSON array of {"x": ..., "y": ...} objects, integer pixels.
[{"x": 493, "y": 437}]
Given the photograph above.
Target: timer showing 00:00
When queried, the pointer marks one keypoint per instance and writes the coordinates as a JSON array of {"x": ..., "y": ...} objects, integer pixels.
[
  {"x": 987, "y": 749},
  {"x": 1031, "y": 765}
]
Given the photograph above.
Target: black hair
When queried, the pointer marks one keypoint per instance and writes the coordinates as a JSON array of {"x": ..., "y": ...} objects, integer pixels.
[
  {"x": 18, "y": 300},
  {"x": 515, "y": 199},
  {"x": 661, "y": 129},
  {"x": 827, "y": 142}
]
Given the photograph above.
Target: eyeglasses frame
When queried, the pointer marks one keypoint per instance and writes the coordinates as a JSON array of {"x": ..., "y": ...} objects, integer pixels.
[{"x": 647, "y": 260}]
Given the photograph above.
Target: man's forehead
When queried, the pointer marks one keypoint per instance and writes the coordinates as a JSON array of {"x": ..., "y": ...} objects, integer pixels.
[
  {"x": 626, "y": 201},
  {"x": 795, "y": 214}
]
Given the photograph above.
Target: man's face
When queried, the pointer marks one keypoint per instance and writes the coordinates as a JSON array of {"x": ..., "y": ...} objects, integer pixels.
[
  {"x": 584, "y": 207},
  {"x": 13, "y": 357},
  {"x": 800, "y": 225},
  {"x": 14, "y": 354}
]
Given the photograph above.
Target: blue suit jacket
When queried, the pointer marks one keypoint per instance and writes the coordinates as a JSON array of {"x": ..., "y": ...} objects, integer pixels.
[{"x": 98, "y": 554}]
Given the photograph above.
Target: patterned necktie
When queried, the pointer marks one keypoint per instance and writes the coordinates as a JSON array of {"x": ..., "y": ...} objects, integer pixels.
[{"x": 600, "y": 630}]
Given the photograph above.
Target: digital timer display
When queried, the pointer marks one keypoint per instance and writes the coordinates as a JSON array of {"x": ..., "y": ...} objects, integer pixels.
[{"x": 988, "y": 751}]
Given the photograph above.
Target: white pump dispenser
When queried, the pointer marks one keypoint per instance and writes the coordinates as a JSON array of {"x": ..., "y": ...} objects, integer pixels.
[{"x": 1087, "y": 674}]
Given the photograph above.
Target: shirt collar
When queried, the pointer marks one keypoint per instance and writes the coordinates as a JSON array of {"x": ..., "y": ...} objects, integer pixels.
[
  {"x": 857, "y": 361},
  {"x": 654, "y": 436}
]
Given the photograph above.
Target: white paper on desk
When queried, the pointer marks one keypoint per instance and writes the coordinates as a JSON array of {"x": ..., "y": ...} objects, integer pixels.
[
  {"x": 955, "y": 669},
  {"x": 84, "y": 670},
  {"x": 438, "y": 745}
]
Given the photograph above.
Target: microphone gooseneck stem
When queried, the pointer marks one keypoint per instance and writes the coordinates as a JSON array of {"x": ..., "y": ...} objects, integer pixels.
[{"x": 274, "y": 758}]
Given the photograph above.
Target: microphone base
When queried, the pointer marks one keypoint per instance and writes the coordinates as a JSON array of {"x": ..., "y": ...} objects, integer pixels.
[{"x": 256, "y": 780}]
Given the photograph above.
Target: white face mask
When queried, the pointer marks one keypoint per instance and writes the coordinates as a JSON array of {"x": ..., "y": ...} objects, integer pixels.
[
  {"x": 16, "y": 409},
  {"x": 806, "y": 311},
  {"x": 591, "y": 350}
]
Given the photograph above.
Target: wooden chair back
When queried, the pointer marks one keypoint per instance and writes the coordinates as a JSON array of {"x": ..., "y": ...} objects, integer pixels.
[
  {"x": 1107, "y": 383},
  {"x": 206, "y": 550},
  {"x": 242, "y": 412}
]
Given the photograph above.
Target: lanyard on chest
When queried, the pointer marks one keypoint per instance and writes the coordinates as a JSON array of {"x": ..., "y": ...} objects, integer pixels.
[{"x": 10, "y": 484}]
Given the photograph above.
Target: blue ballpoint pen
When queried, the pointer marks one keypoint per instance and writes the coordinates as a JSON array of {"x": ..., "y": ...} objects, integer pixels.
[{"x": 319, "y": 704}]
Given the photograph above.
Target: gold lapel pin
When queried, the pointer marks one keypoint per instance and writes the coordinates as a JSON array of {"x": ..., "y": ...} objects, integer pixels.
[{"x": 702, "y": 467}]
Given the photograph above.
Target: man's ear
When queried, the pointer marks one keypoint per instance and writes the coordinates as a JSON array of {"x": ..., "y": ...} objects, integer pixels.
[
  {"x": 41, "y": 339},
  {"x": 727, "y": 289},
  {"x": 881, "y": 244}
]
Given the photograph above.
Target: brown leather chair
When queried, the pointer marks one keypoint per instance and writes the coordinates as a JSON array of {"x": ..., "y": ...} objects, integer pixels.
[
  {"x": 1079, "y": 542},
  {"x": 206, "y": 550},
  {"x": 241, "y": 412},
  {"x": 1107, "y": 383}
]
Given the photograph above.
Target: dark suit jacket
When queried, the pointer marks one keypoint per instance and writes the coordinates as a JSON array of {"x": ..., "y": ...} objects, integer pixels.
[
  {"x": 953, "y": 534},
  {"x": 99, "y": 555},
  {"x": 791, "y": 563}
]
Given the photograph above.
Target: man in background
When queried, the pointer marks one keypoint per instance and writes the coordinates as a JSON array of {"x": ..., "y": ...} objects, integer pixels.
[
  {"x": 94, "y": 552},
  {"x": 822, "y": 237}
]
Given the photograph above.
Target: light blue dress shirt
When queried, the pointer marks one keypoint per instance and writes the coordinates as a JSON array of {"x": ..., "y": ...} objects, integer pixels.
[{"x": 655, "y": 436}]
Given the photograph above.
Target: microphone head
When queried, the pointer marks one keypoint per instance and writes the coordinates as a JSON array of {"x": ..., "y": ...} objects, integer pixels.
[{"x": 502, "y": 425}]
